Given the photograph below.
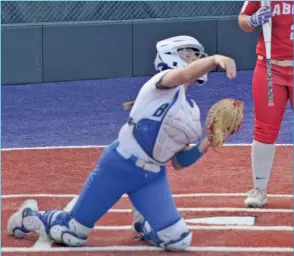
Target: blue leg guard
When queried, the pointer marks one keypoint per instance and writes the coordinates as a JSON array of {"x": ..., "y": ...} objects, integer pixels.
[
  {"x": 66, "y": 230},
  {"x": 177, "y": 237},
  {"x": 58, "y": 225}
]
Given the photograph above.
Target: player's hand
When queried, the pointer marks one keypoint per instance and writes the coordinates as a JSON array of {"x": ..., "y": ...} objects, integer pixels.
[
  {"x": 262, "y": 16},
  {"x": 227, "y": 64}
]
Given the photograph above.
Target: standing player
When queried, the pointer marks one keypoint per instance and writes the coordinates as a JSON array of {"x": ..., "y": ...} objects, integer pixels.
[
  {"x": 268, "y": 118},
  {"x": 161, "y": 125}
]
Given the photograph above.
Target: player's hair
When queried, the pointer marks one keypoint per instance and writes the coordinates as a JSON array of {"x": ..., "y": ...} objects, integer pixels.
[{"x": 128, "y": 105}]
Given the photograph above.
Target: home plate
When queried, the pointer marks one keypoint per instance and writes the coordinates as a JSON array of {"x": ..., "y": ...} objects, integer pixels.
[{"x": 231, "y": 220}]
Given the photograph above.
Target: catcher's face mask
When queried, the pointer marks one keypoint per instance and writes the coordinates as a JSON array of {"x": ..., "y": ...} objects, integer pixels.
[
  {"x": 189, "y": 54},
  {"x": 179, "y": 52}
]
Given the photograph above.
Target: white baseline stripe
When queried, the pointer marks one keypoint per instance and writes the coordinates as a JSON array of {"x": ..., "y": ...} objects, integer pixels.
[
  {"x": 37, "y": 195},
  {"x": 217, "y": 209},
  {"x": 191, "y": 209},
  {"x": 227, "y": 195},
  {"x": 54, "y": 147},
  {"x": 148, "y": 248},
  {"x": 200, "y": 227},
  {"x": 174, "y": 195},
  {"x": 43, "y": 241},
  {"x": 103, "y": 146}
]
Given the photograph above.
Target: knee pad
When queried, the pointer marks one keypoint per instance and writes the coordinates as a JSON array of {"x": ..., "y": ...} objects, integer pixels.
[
  {"x": 176, "y": 237},
  {"x": 62, "y": 235},
  {"x": 173, "y": 238},
  {"x": 265, "y": 133},
  {"x": 62, "y": 228}
]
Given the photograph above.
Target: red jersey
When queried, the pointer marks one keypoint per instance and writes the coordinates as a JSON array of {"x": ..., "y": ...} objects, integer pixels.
[{"x": 282, "y": 28}]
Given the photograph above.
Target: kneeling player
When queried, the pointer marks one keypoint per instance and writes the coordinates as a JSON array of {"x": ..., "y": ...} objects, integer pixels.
[{"x": 161, "y": 125}]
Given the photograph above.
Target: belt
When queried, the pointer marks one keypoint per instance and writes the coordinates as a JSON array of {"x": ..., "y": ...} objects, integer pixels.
[
  {"x": 146, "y": 166},
  {"x": 280, "y": 63}
]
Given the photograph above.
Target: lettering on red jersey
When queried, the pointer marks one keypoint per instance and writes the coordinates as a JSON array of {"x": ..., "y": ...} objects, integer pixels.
[
  {"x": 282, "y": 28},
  {"x": 283, "y": 9}
]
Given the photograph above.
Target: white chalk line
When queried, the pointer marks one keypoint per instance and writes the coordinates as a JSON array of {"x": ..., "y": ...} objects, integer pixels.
[
  {"x": 44, "y": 242},
  {"x": 147, "y": 248},
  {"x": 217, "y": 209},
  {"x": 188, "y": 195},
  {"x": 103, "y": 146},
  {"x": 189, "y": 209},
  {"x": 201, "y": 227}
]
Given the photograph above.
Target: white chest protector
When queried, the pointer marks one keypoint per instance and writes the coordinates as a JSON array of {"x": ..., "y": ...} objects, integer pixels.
[{"x": 162, "y": 122}]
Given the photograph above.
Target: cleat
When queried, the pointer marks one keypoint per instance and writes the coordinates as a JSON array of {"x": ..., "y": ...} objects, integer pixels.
[
  {"x": 23, "y": 221},
  {"x": 256, "y": 198}
]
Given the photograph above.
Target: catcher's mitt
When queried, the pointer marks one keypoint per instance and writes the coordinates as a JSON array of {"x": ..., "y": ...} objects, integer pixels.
[{"x": 223, "y": 119}]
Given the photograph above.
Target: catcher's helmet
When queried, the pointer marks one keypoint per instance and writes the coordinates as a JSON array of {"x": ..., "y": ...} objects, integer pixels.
[{"x": 167, "y": 52}]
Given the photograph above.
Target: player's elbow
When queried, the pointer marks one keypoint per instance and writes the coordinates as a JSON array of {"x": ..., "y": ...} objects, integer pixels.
[{"x": 243, "y": 23}]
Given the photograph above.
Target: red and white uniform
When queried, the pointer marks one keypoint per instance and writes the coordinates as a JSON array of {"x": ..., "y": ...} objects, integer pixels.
[
  {"x": 268, "y": 119},
  {"x": 282, "y": 28}
]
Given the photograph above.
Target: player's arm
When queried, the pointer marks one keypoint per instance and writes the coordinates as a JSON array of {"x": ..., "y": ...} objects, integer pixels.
[
  {"x": 190, "y": 155},
  {"x": 252, "y": 15},
  {"x": 243, "y": 23},
  {"x": 197, "y": 69}
]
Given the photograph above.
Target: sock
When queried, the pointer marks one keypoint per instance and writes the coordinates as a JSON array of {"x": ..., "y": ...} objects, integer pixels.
[{"x": 262, "y": 157}]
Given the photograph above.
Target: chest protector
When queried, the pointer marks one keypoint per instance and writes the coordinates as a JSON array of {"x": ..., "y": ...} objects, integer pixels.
[{"x": 178, "y": 126}]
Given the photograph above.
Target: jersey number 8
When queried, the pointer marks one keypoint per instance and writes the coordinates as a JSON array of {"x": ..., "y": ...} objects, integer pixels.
[{"x": 161, "y": 110}]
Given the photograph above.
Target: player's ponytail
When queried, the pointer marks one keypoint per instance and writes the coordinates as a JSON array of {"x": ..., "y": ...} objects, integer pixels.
[{"x": 128, "y": 105}]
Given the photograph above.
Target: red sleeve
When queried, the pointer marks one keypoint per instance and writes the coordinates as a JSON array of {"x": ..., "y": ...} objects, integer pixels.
[{"x": 250, "y": 7}]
